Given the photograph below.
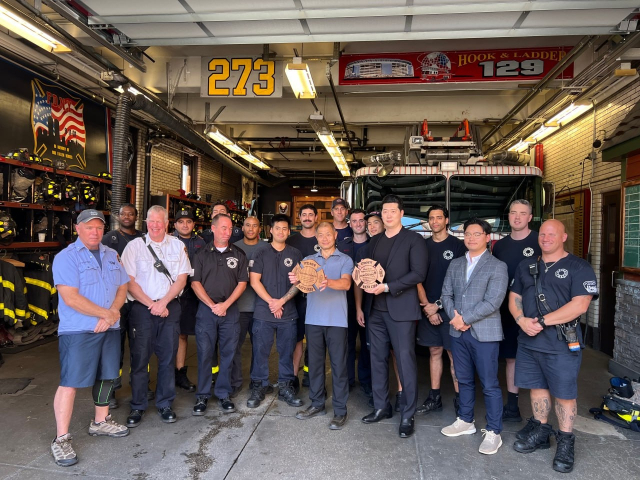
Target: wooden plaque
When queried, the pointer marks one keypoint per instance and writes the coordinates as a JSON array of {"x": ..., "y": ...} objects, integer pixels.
[
  {"x": 368, "y": 274},
  {"x": 310, "y": 275}
]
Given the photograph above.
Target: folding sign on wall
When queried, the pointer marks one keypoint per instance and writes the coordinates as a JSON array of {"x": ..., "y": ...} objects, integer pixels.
[{"x": 241, "y": 77}]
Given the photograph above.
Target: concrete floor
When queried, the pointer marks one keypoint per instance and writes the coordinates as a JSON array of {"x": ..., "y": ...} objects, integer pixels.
[{"x": 270, "y": 442}]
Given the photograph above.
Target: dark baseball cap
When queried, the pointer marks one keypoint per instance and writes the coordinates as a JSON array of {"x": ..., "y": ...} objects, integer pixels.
[
  {"x": 184, "y": 214},
  {"x": 89, "y": 214},
  {"x": 373, "y": 214},
  {"x": 339, "y": 201}
]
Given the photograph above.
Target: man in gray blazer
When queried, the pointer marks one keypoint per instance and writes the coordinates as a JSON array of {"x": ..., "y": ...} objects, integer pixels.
[{"x": 472, "y": 293}]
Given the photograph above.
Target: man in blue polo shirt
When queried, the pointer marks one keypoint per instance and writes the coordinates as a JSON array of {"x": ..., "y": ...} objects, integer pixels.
[
  {"x": 92, "y": 284},
  {"x": 327, "y": 327}
]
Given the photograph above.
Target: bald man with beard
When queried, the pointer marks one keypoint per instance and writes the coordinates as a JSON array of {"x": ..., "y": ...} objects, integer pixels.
[{"x": 548, "y": 296}]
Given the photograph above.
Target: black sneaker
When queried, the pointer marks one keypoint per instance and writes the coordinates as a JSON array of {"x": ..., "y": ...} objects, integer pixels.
[
  {"x": 511, "y": 415},
  {"x": 183, "y": 381},
  {"x": 257, "y": 395},
  {"x": 527, "y": 429},
  {"x": 431, "y": 404},
  {"x": 564, "y": 459},
  {"x": 287, "y": 394},
  {"x": 538, "y": 438},
  {"x": 200, "y": 408}
]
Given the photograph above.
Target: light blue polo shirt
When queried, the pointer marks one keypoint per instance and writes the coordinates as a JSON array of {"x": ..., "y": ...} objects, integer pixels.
[
  {"x": 329, "y": 307},
  {"x": 77, "y": 267}
]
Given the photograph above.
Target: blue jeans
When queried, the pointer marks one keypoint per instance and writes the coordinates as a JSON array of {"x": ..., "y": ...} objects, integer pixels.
[
  {"x": 211, "y": 328},
  {"x": 471, "y": 356},
  {"x": 263, "y": 332}
]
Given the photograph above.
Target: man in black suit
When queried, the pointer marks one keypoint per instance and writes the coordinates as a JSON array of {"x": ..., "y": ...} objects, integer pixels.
[{"x": 395, "y": 312}]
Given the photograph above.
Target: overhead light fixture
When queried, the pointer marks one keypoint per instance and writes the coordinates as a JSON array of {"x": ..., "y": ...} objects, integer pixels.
[
  {"x": 560, "y": 119},
  {"x": 300, "y": 79},
  {"x": 225, "y": 141},
  {"x": 321, "y": 127},
  {"x": 26, "y": 29},
  {"x": 314, "y": 189},
  {"x": 255, "y": 161}
]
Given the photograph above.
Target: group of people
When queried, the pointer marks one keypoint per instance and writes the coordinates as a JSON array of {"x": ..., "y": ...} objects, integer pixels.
[{"x": 521, "y": 300}]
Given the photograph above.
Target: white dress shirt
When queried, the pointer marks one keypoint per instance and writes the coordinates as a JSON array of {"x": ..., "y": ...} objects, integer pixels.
[
  {"x": 138, "y": 262},
  {"x": 472, "y": 262}
]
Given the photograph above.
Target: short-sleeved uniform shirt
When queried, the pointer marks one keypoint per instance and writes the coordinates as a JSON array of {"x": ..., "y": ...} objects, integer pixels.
[
  {"x": 306, "y": 245},
  {"x": 247, "y": 301},
  {"x": 569, "y": 277},
  {"x": 138, "y": 261},
  {"x": 118, "y": 240},
  {"x": 440, "y": 256},
  {"x": 220, "y": 272},
  {"x": 328, "y": 308},
  {"x": 512, "y": 252},
  {"x": 274, "y": 266},
  {"x": 76, "y": 266}
]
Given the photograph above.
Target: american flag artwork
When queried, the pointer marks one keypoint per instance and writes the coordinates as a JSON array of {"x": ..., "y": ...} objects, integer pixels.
[{"x": 58, "y": 123}]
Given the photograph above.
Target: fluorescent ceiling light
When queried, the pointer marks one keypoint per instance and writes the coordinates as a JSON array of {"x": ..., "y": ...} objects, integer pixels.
[
  {"x": 521, "y": 146},
  {"x": 300, "y": 79},
  {"x": 219, "y": 137},
  {"x": 236, "y": 149},
  {"x": 28, "y": 30},
  {"x": 321, "y": 127},
  {"x": 255, "y": 160},
  {"x": 568, "y": 114}
]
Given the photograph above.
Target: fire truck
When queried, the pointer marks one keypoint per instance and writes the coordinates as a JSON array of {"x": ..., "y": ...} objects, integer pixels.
[{"x": 450, "y": 171}]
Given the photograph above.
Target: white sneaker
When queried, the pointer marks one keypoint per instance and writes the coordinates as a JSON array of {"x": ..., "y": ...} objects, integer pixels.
[
  {"x": 491, "y": 443},
  {"x": 459, "y": 427}
]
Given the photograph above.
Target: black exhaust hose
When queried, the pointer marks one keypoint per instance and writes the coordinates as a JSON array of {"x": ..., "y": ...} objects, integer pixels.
[{"x": 119, "y": 174}]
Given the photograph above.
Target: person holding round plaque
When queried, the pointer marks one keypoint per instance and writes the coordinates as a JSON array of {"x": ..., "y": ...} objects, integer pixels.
[
  {"x": 326, "y": 277},
  {"x": 394, "y": 313}
]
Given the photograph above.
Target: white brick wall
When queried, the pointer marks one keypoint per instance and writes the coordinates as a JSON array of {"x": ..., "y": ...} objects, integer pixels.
[{"x": 564, "y": 153}]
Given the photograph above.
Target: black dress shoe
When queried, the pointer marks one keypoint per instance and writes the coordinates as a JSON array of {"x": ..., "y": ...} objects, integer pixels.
[
  {"x": 311, "y": 412},
  {"x": 167, "y": 415},
  {"x": 338, "y": 422},
  {"x": 378, "y": 415},
  {"x": 134, "y": 418},
  {"x": 226, "y": 405},
  {"x": 200, "y": 407},
  {"x": 406, "y": 427}
]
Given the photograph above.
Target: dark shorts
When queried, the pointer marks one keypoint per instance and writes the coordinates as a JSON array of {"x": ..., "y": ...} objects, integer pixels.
[
  {"x": 556, "y": 372},
  {"x": 509, "y": 346},
  {"x": 189, "y": 305},
  {"x": 88, "y": 357},
  {"x": 433, "y": 335},
  {"x": 301, "y": 307}
]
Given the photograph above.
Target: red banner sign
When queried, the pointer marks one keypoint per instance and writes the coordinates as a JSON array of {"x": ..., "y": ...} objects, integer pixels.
[{"x": 445, "y": 67}]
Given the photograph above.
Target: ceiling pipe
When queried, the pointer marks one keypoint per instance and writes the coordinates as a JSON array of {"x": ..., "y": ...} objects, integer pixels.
[
  {"x": 548, "y": 78},
  {"x": 335, "y": 97}
]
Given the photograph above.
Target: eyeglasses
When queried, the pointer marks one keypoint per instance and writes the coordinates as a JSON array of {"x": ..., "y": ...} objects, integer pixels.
[{"x": 474, "y": 234}]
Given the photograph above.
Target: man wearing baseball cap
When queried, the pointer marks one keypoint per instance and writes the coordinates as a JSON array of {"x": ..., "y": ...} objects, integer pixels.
[
  {"x": 339, "y": 211},
  {"x": 92, "y": 284},
  {"x": 184, "y": 223}
]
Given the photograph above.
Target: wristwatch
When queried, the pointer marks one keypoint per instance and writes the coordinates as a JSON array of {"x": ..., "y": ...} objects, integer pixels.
[
  {"x": 438, "y": 304},
  {"x": 541, "y": 321},
  {"x": 386, "y": 288}
]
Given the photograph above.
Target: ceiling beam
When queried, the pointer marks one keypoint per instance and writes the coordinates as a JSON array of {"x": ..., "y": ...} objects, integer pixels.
[
  {"x": 379, "y": 36},
  {"x": 362, "y": 12}
]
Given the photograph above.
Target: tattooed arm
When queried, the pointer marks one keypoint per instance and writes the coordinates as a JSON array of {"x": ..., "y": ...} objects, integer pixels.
[
  {"x": 530, "y": 326},
  {"x": 275, "y": 305}
]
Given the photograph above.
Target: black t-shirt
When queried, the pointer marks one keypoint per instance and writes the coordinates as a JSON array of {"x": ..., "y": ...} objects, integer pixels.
[
  {"x": 381, "y": 255},
  {"x": 440, "y": 256},
  {"x": 344, "y": 233},
  {"x": 117, "y": 239},
  {"x": 567, "y": 278},
  {"x": 220, "y": 272},
  {"x": 274, "y": 266},
  {"x": 306, "y": 245},
  {"x": 512, "y": 252}
]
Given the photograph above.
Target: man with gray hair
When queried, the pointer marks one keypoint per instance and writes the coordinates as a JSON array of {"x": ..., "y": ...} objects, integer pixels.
[
  {"x": 158, "y": 266},
  {"x": 521, "y": 244}
]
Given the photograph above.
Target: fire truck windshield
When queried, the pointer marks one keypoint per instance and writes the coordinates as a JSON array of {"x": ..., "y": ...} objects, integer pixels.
[{"x": 483, "y": 196}]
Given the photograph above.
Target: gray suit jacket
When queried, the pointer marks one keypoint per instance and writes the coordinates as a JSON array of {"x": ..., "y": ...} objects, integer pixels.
[{"x": 479, "y": 299}]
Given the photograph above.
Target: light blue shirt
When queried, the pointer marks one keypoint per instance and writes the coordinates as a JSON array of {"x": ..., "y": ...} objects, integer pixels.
[
  {"x": 472, "y": 262},
  {"x": 329, "y": 307},
  {"x": 75, "y": 266}
]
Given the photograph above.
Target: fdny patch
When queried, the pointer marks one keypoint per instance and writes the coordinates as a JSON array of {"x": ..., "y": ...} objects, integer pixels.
[
  {"x": 590, "y": 286},
  {"x": 232, "y": 262},
  {"x": 527, "y": 252},
  {"x": 448, "y": 255},
  {"x": 562, "y": 273},
  {"x": 288, "y": 262}
]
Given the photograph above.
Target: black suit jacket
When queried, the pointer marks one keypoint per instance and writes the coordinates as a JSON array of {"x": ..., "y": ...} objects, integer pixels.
[{"x": 406, "y": 268}]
